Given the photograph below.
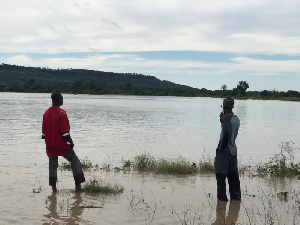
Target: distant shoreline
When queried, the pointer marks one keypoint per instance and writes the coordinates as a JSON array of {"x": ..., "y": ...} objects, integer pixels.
[{"x": 291, "y": 99}]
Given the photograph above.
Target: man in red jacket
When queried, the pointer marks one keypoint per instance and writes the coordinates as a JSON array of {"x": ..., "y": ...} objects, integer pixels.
[{"x": 56, "y": 132}]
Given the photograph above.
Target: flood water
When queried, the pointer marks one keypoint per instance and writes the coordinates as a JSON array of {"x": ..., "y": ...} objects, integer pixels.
[{"x": 111, "y": 129}]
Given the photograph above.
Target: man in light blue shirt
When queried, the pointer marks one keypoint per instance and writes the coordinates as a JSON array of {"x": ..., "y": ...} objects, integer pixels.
[{"x": 226, "y": 164}]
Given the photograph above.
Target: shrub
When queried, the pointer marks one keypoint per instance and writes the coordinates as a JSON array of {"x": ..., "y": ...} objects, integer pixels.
[{"x": 282, "y": 164}]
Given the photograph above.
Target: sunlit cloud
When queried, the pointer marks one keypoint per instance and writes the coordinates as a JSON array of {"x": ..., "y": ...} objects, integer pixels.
[{"x": 124, "y": 28}]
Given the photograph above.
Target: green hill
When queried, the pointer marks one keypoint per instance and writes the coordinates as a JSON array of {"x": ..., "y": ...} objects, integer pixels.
[{"x": 35, "y": 79}]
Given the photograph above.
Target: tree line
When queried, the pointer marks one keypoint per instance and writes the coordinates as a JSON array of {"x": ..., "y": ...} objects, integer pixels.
[{"x": 15, "y": 78}]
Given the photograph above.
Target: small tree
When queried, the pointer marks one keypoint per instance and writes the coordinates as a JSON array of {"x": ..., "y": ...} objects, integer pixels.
[
  {"x": 224, "y": 87},
  {"x": 241, "y": 88}
]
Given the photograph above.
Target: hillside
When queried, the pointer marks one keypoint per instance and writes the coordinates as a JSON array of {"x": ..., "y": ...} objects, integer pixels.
[{"x": 33, "y": 79}]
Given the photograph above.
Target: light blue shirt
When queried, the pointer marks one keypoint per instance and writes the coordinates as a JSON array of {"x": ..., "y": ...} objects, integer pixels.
[{"x": 230, "y": 128}]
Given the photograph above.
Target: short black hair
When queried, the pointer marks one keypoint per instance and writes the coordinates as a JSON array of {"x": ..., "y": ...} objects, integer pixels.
[
  {"x": 56, "y": 97},
  {"x": 228, "y": 102}
]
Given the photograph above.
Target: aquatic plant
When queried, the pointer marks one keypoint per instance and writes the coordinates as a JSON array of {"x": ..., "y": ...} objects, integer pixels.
[
  {"x": 147, "y": 163},
  {"x": 142, "y": 205},
  {"x": 106, "y": 167},
  {"x": 206, "y": 165},
  {"x": 127, "y": 164},
  {"x": 96, "y": 187},
  {"x": 282, "y": 164},
  {"x": 144, "y": 163},
  {"x": 85, "y": 163},
  {"x": 65, "y": 166},
  {"x": 177, "y": 166}
]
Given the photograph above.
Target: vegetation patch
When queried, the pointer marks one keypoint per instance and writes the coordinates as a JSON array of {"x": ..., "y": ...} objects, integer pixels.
[
  {"x": 147, "y": 163},
  {"x": 144, "y": 163},
  {"x": 282, "y": 164},
  {"x": 96, "y": 187},
  {"x": 206, "y": 165},
  {"x": 65, "y": 166},
  {"x": 85, "y": 163},
  {"x": 177, "y": 166}
]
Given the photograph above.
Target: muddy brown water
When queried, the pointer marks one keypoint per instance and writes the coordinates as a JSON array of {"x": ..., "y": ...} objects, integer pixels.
[
  {"x": 110, "y": 129},
  {"x": 147, "y": 199}
]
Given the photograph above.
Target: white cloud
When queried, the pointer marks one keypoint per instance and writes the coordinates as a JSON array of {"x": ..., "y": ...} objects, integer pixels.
[
  {"x": 239, "y": 26},
  {"x": 136, "y": 64},
  {"x": 260, "y": 67},
  {"x": 134, "y": 25}
]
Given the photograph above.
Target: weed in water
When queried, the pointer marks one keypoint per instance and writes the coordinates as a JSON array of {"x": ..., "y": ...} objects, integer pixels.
[
  {"x": 85, "y": 163},
  {"x": 65, "y": 166},
  {"x": 206, "y": 165},
  {"x": 127, "y": 164},
  {"x": 96, "y": 187},
  {"x": 177, "y": 166},
  {"x": 106, "y": 167},
  {"x": 282, "y": 164},
  {"x": 144, "y": 163}
]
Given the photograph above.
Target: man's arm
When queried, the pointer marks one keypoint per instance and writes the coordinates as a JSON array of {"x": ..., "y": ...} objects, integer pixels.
[
  {"x": 67, "y": 137},
  {"x": 225, "y": 129}
]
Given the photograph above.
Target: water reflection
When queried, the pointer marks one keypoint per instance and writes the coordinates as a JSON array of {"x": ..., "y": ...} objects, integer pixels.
[
  {"x": 231, "y": 217},
  {"x": 60, "y": 210}
]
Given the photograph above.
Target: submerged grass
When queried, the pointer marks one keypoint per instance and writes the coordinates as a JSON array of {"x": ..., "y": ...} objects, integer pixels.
[
  {"x": 144, "y": 163},
  {"x": 147, "y": 163},
  {"x": 177, "y": 166},
  {"x": 85, "y": 163},
  {"x": 96, "y": 187},
  {"x": 282, "y": 164},
  {"x": 206, "y": 165}
]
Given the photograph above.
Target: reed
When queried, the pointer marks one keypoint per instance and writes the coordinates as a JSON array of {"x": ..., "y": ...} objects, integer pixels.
[{"x": 96, "y": 187}]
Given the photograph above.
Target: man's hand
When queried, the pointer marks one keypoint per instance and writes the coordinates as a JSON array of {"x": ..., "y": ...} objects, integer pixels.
[{"x": 222, "y": 115}]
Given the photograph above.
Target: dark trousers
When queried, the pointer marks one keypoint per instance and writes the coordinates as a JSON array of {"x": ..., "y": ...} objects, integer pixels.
[
  {"x": 75, "y": 165},
  {"x": 234, "y": 185},
  {"x": 226, "y": 166}
]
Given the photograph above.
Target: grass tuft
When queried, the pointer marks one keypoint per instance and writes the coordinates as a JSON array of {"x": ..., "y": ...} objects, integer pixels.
[
  {"x": 282, "y": 164},
  {"x": 206, "y": 165},
  {"x": 95, "y": 187},
  {"x": 85, "y": 163},
  {"x": 144, "y": 163},
  {"x": 177, "y": 166},
  {"x": 147, "y": 163}
]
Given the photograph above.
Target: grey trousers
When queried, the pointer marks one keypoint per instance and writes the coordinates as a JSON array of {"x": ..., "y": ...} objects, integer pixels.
[{"x": 75, "y": 165}]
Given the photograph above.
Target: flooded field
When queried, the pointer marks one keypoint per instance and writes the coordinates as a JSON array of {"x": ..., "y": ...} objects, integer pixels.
[
  {"x": 110, "y": 129},
  {"x": 147, "y": 199}
]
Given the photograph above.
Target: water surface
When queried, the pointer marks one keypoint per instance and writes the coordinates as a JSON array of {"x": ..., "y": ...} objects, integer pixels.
[{"x": 109, "y": 129}]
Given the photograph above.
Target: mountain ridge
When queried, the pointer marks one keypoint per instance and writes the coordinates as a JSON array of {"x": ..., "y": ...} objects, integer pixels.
[{"x": 36, "y": 79}]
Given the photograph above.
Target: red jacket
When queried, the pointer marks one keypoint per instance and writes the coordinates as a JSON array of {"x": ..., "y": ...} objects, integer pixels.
[{"x": 55, "y": 125}]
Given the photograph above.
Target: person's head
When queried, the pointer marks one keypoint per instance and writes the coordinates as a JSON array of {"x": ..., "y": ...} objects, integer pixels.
[
  {"x": 57, "y": 99},
  {"x": 228, "y": 104}
]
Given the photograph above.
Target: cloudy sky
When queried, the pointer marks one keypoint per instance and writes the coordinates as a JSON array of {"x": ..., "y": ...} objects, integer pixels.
[{"x": 203, "y": 44}]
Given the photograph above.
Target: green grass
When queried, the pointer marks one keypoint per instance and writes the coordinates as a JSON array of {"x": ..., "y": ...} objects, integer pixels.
[
  {"x": 144, "y": 163},
  {"x": 95, "y": 187},
  {"x": 85, "y": 163},
  {"x": 281, "y": 164},
  {"x": 147, "y": 163},
  {"x": 206, "y": 165},
  {"x": 177, "y": 166}
]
